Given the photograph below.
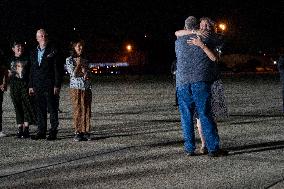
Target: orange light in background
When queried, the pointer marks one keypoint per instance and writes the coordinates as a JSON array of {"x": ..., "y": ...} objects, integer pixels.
[
  {"x": 222, "y": 26},
  {"x": 129, "y": 48}
]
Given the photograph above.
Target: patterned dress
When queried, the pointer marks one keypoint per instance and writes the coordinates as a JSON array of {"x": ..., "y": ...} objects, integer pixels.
[{"x": 218, "y": 101}]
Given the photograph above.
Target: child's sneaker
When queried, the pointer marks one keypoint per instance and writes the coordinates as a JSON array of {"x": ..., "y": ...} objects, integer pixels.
[
  {"x": 20, "y": 132},
  {"x": 2, "y": 134}
]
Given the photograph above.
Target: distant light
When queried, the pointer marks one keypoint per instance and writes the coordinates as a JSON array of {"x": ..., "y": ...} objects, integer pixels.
[
  {"x": 222, "y": 27},
  {"x": 129, "y": 48},
  {"x": 264, "y": 54},
  {"x": 25, "y": 42},
  {"x": 74, "y": 28},
  {"x": 145, "y": 35},
  {"x": 274, "y": 62}
]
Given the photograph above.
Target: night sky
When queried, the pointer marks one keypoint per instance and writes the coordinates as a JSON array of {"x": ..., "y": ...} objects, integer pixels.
[{"x": 252, "y": 24}]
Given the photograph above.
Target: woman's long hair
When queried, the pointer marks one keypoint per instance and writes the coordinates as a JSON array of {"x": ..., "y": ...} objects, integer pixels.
[{"x": 73, "y": 53}]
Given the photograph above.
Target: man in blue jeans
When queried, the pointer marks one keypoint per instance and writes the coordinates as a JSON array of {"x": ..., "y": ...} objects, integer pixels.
[{"x": 194, "y": 76}]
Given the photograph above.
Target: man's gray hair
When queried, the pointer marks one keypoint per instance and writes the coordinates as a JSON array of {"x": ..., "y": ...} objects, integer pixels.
[
  {"x": 191, "y": 23},
  {"x": 41, "y": 30}
]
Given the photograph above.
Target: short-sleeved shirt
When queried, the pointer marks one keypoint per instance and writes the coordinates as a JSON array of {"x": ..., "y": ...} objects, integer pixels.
[{"x": 193, "y": 65}]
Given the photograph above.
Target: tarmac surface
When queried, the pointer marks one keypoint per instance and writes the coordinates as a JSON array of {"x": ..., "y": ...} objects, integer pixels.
[{"x": 137, "y": 140}]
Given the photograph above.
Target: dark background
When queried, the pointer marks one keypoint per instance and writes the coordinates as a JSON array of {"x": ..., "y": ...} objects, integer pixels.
[{"x": 253, "y": 26}]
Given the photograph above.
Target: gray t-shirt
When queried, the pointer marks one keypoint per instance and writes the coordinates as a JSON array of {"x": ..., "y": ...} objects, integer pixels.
[{"x": 193, "y": 65}]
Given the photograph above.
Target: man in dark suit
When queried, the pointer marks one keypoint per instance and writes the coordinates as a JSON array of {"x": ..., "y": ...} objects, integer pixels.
[{"x": 45, "y": 83}]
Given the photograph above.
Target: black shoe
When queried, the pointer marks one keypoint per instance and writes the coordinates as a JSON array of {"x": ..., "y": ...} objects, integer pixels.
[
  {"x": 188, "y": 153},
  {"x": 218, "y": 153},
  {"x": 20, "y": 132},
  {"x": 79, "y": 137},
  {"x": 26, "y": 132},
  {"x": 52, "y": 135},
  {"x": 87, "y": 136},
  {"x": 38, "y": 136}
]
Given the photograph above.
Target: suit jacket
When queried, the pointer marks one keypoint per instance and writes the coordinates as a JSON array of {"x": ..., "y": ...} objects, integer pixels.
[{"x": 47, "y": 75}]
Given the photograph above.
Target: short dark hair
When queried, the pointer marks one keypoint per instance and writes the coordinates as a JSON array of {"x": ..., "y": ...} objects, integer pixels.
[
  {"x": 17, "y": 42},
  {"x": 190, "y": 23}
]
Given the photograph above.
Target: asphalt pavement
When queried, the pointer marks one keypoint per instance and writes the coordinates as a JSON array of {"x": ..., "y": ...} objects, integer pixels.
[{"x": 137, "y": 141}]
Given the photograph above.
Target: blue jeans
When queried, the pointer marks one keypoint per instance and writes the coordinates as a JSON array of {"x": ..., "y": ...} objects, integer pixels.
[{"x": 199, "y": 95}]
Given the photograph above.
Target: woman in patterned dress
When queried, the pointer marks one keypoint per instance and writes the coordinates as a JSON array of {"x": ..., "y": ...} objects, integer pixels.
[{"x": 80, "y": 91}]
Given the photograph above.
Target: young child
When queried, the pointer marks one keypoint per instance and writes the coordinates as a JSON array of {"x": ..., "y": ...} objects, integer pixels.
[
  {"x": 80, "y": 91},
  {"x": 19, "y": 78}
]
